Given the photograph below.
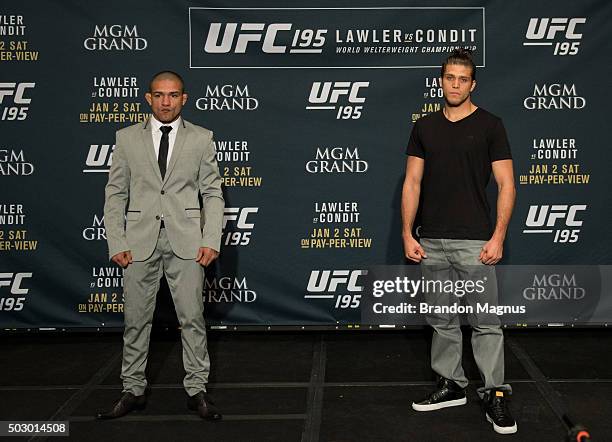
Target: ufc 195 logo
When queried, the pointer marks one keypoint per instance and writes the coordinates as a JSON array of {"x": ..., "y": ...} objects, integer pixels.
[
  {"x": 239, "y": 232},
  {"x": 18, "y": 109},
  {"x": 561, "y": 219},
  {"x": 268, "y": 37},
  {"x": 325, "y": 284},
  {"x": 14, "y": 283},
  {"x": 548, "y": 32},
  {"x": 327, "y": 95}
]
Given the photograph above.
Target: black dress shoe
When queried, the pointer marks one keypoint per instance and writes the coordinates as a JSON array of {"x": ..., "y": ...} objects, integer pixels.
[
  {"x": 126, "y": 403},
  {"x": 448, "y": 394},
  {"x": 203, "y": 404}
]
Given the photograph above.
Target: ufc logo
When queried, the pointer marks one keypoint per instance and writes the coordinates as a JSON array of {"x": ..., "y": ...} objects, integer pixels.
[
  {"x": 547, "y": 28},
  {"x": 14, "y": 282},
  {"x": 330, "y": 92},
  {"x": 256, "y": 33},
  {"x": 7, "y": 89},
  {"x": 100, "y": 155},
  {"x": 547, "y": 216},
  {"x": 329, "y": 280},
  {"x": 240, "y": 216}
]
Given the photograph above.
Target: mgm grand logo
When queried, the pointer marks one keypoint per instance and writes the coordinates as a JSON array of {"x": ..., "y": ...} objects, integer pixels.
[
  {"x": 228, "y": 290},
  {"x": 554, "y": 287},
  {"x": 337, "y": 160},
  {"x": 227, "y": 97},
  {"x": 115, "y": 38}
]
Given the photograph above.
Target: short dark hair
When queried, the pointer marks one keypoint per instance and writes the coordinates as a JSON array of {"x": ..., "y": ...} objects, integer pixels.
[
  {"x": 167, "y": 75},
  {"x": 460, "y": 56}
]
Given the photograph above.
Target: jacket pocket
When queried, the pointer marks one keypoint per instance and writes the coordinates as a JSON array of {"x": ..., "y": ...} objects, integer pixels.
[
  {"x": 193, "y": 212},
  {"x": 133, "y": 215}
]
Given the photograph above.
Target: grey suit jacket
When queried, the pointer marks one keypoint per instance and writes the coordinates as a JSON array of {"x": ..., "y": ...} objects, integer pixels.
[{"x": 136, "y": 195}]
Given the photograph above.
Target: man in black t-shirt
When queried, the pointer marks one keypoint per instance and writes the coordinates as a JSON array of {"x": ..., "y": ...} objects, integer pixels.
[{"x": 451, "y": 154}]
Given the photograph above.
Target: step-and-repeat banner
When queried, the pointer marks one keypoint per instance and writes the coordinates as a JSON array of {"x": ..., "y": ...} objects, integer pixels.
[{"x": 311, "y": 107}]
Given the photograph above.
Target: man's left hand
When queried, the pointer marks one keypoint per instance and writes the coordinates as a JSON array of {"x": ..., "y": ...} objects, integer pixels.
[
  {"x": 206, "y": 255},
  {"x": 491, "y": 252}
]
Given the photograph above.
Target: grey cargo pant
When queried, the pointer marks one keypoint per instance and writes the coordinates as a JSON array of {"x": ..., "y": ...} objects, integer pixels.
[{"x": 453, "y": 259}]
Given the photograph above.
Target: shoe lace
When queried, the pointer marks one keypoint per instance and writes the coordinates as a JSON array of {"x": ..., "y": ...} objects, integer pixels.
[
  {"x": 498, "y": 408},
  {"x": 438, "y": 394}
]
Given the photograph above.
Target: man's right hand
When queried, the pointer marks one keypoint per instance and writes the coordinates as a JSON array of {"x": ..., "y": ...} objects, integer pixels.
[
  {"x": 123, "y": 259},
  {"x": 413, "y": 250}
]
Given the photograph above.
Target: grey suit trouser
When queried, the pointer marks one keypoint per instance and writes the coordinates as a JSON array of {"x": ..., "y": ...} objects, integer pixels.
[
  {"x": 141, "y": 282},
  {"x": 452, "y": 259}
]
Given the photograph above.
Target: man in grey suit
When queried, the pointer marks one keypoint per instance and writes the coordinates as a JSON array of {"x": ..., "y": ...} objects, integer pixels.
[{"x": 153, "y": 223}]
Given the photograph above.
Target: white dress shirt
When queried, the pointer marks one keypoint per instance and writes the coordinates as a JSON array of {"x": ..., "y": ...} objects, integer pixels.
[{"x": 157, "y": 134}]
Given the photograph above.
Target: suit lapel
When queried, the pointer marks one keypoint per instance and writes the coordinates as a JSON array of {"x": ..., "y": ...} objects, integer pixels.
[
  {"x": 147, "y": 140},
  {"x": 179, "y": 142}
]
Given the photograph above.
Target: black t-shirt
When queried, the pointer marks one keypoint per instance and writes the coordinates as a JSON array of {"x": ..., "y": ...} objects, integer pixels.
[{"x": 458, "y": 157}]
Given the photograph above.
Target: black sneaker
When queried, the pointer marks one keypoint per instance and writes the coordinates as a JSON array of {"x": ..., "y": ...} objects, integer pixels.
[
  {"x": 496, "y": 409},
  {"x": 448, "y": 394}
]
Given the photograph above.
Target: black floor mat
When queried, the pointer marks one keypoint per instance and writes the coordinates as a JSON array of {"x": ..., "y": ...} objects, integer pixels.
[
  {"x": 53, "y": 360},
  {"x": 236, "y": 357},
  {"x": 31, "y": 405},
  {"x": 396, "y": 357},
  {"x": 590, "y": 405},
  {"x": 569, "y": 354},
  {"x": 166, "y": 431},
  {"x": 231, "y": 401},
  {"x": 262, "y": 383},
  {"x": 366, "y": 414}
]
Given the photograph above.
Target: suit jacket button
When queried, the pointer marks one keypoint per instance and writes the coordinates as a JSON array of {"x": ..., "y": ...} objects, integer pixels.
[
  {"x": 163, "y": 192},
  {"x": 156, "y": 216}
]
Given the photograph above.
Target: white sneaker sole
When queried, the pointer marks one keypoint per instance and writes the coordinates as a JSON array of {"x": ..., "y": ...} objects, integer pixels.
[
  {"x": 502, "y": 430},
  {"x": 440, "y": 405}
]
